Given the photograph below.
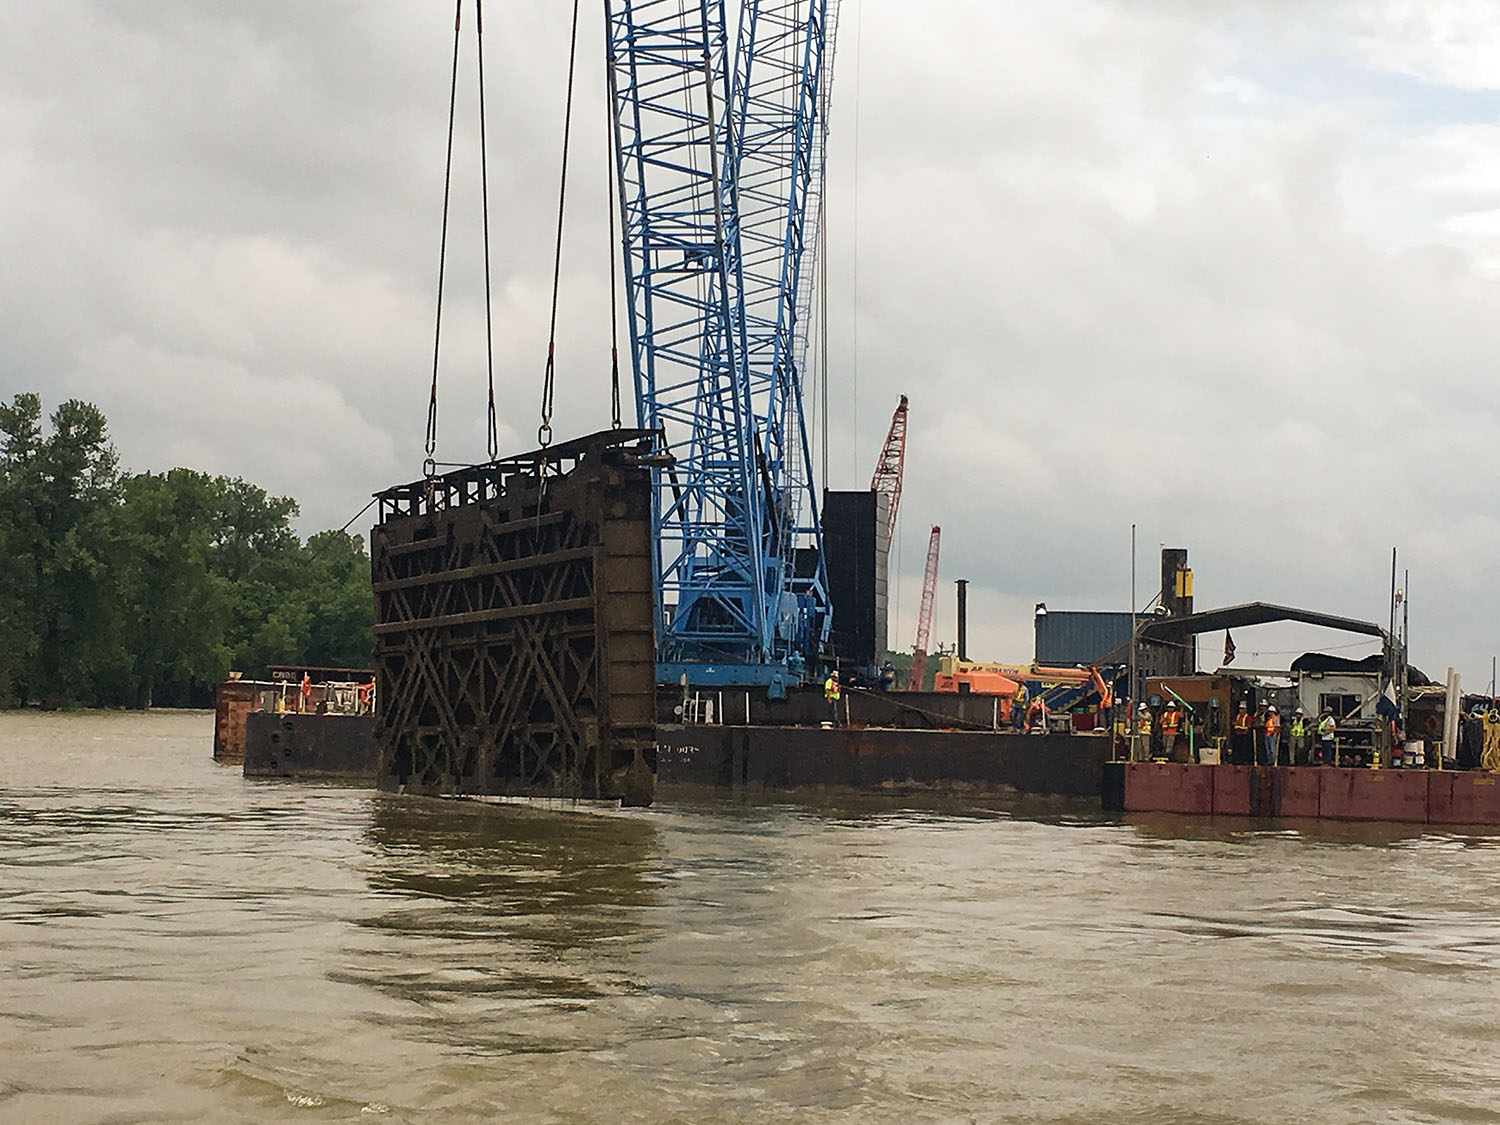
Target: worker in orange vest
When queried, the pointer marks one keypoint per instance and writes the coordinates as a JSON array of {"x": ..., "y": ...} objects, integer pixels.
[
  {"x": 1242, "y": 737},
  {"x": 1273, "y": 734},
  {"x": 1171, "y": 727}
]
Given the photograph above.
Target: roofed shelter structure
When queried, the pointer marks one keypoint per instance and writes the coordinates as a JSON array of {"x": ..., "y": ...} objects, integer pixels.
[{"x": 1172, "y": 636}]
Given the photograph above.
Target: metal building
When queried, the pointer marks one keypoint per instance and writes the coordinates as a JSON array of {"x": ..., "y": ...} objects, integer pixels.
[
  {"x": 857, "y": 545},
  {"x": 1066, "y": 637}
]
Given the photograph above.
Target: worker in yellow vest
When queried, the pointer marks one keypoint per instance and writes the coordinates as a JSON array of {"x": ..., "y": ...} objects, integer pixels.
[
  {"x": 1297, "y": 733},
  {"x": 1142, "y": 733},
  {"x": 833, "y": 694},
  {"x": 1327, "y": 728}
]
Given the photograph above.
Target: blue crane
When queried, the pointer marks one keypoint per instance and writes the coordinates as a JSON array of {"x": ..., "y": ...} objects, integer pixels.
[{"x": 719, "y": 158}]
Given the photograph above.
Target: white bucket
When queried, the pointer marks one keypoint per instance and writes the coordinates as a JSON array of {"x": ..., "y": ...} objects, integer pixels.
[{"x": 1208, "y": 755}]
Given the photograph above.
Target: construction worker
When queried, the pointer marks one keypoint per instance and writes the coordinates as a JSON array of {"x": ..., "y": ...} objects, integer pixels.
[
  {"x": 1036, "y": 716},
  {"x": 1296, "y": 749},
  {"x": 1018, "y": 707},
  {"x": 1241, "y": 738},
  {"x": 1490, "y": 758},
  {"x": 1327, "y": 727},
  {"x": 832, "y": 694},
  {"x": 1142, "y": 733},
  {"x": 1273, "y": 734},
  {"x": 1171, "y": 727}
]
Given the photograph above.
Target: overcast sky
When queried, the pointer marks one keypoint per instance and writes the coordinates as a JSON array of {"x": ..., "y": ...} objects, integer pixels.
[{"x": 1229, "y": 271}]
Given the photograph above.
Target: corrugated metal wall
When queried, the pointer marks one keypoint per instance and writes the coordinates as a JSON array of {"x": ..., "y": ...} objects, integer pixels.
[{"x": 1065, "y": 637}]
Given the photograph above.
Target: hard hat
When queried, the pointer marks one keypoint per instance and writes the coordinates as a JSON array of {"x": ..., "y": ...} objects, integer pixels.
[
  {"x": 1298, "y": 711},
  {"x": 1143, "y": 707},
  {"x": 1271, "y": 708},
  {"x": 1328, "y": 710},
  {"x": 1243, "y": 705},
  {"x": 1172, "y": 704},
  {"x": 834, "y": 673}
]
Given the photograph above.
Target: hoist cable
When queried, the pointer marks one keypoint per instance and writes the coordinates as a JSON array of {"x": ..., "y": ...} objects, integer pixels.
[
  {"x": 544, "y": 432},
  {"x": 429, "y": 466},
  {"x": 614, "y": 285},
  {"x": 492, "y": 433}
]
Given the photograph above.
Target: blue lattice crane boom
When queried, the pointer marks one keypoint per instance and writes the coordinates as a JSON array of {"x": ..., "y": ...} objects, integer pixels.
[
  {"x": 778, "y": 118},
  {"x": 669, "y": 83},
  {"x": 720, "y": 164}
]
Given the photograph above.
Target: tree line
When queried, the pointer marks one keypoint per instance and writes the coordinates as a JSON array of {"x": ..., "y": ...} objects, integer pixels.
[{"x": 145, "y": 589}]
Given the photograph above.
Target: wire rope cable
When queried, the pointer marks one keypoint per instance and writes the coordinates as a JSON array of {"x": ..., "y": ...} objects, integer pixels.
[
  {"x": 610, "y": 171},
  {"x": 429, "y": 466},
  {"x": 544, "y": 431},
  {"x": 492, "y": 431}
]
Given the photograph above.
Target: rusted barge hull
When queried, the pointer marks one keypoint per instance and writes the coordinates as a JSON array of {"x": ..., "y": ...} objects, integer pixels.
[
  {"x": 880, "y": 760},
  {"x": 738, "y": 757},
  {"x": 1466, "y": 797}
]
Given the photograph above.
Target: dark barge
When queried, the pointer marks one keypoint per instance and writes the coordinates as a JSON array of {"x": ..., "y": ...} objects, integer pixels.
[{"x": 881, "y": 759}]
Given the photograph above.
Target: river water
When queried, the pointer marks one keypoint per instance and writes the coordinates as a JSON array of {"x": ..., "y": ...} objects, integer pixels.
[{"x": 179, "y": 944}]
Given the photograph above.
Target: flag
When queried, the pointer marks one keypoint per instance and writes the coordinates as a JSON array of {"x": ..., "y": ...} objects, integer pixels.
[
  {"x": 1228, "y": 648},
  {"x": 1386, "y": 705}
]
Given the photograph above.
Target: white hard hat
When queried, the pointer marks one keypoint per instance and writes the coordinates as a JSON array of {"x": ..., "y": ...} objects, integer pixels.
[
  {"x": 1142, "y": 707},
  {"x": 1271, "y": 708}
]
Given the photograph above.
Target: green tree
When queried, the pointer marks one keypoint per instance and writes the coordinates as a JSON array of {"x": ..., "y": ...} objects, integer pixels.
[
  {"x": 341, "y": 606},
  {"x": 147, "y": 589},
  {"x": 60, "y": 492},
  {"x": 258, "y": 554},
  {"x": 20, "y": 578},
  {"x": 177, "y": 610}
]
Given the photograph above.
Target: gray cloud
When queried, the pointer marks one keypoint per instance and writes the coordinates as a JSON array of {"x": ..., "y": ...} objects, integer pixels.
[{"x": 1224, "y": 270}]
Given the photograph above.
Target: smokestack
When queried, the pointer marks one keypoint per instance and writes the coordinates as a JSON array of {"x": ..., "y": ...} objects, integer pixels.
[{"x": 963, "y": 618}]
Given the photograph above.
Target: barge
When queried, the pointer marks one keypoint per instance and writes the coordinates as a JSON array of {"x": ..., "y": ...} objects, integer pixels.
[
  {"x": 1406, "y": 796},
  {"x": 881, "y": 759}
]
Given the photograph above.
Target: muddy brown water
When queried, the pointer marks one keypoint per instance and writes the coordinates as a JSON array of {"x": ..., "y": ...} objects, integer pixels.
[{"x": 179, "y": 944}]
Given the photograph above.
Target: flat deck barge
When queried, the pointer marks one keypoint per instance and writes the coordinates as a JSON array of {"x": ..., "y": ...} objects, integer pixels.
[
  {"x": 881, "y": 759},
  {"x": 1409, "y": 796}
]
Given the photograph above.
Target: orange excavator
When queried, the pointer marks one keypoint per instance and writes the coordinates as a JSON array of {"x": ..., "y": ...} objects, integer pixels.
[{"x": 1002, "y": 679}]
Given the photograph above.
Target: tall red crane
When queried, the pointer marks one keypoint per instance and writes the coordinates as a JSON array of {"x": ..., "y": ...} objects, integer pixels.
[
  {"x": 892, "y": 462},
  {"x": 924, "y": 616}
]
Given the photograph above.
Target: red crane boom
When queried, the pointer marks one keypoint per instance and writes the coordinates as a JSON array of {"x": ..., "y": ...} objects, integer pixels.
[
  {"x": 924, "y": 615},
  {"x": 892, "y": 462}
]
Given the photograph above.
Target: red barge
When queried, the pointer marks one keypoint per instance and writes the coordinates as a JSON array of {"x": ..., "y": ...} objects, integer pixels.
[{"x": 1410, "y": 796}]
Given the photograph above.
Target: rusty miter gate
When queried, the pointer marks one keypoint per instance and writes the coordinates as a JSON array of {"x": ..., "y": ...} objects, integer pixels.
[{"x": 514, "y": 643}]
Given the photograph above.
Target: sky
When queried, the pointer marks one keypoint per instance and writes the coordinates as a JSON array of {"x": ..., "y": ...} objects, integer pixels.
[{"x": 1227, "y": 271}]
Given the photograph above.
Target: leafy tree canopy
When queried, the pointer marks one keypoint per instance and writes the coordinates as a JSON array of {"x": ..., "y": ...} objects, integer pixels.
[{"x": 140, "y": 589}]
